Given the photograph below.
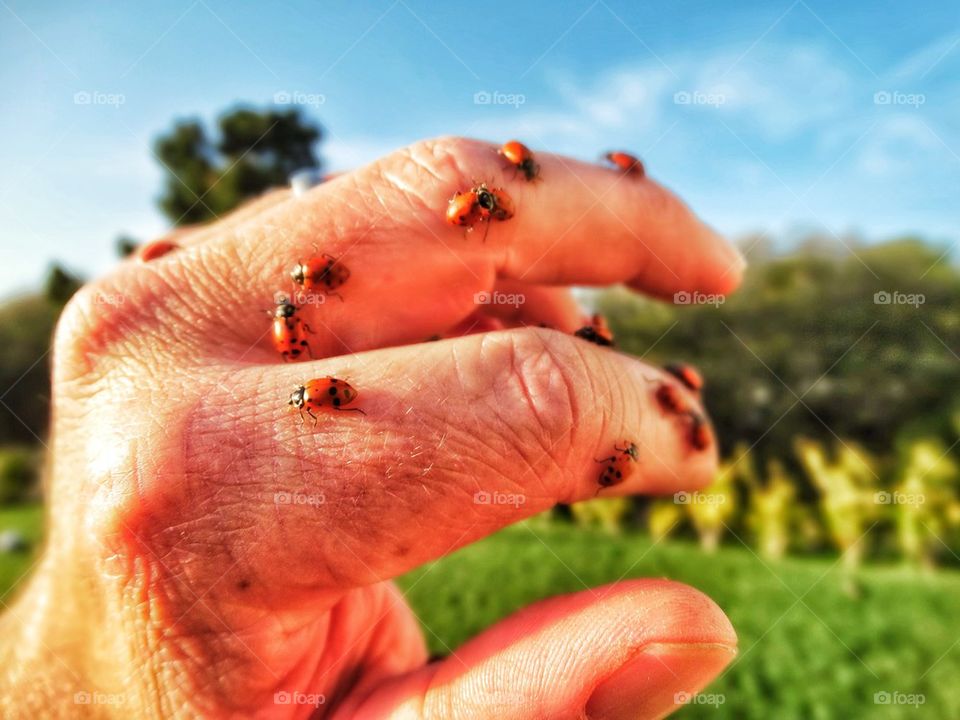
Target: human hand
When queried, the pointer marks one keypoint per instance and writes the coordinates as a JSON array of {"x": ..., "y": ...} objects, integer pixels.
[{"x": 210, "y": 554}]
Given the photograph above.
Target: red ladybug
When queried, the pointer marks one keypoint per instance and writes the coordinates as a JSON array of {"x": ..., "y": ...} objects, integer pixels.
[
  {"x": 479, "y": 204},
  {"x": 597, "y": 331},
  {"x": 327, "y": 392},
  {"x": 630, "y": 164},
  {"x": 620, "y": 466},
  {"x": 289, "y": 331},
  {"x": 521, "y": 158},
  {"x": 671, "y": 399},
  {"x": 463, "y": 209},
  {"x": 687, "y": 374},
  {"x": 701, "y": 436},
  {"x": 323, "y": 274}
]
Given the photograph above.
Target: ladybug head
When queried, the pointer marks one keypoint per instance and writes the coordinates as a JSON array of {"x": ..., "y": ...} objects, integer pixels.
[
  {"x": 296, "y": 397},
  {"x": 485, "y": 198},
  {"x": 633, "y": 451},
  {"x": 285, "y": 308},
  {"x": 298, "y": 274}
]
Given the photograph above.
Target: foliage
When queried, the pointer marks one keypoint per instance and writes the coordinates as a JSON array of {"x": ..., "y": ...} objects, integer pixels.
[
  {"x": 19, "y": 472},
  {"x": 26, "y": 328},
  {"x": 252, "y": 152},
  {"x": 803, "y": 350},
  {"x": 824, "y": 657}
]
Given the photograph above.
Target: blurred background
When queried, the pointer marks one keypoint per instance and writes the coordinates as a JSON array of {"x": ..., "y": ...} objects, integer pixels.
[{"x": 823, "y": 137}]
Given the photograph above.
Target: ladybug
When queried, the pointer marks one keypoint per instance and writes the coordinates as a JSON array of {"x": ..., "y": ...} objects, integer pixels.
[
  {"x": 597, "y": 331},
  {"x": 323, "y": 274},
  {"x": 289, "y": 331},
  {"x": 671, "y": 399},
  {"x": 630, "y": 164},
  {"x": 521, "y": 158},
  {"x": 494, "y": 203},
  {"x": 323, "y": 392},
  {"x": 687, "y": 374},
  {"x": 620, "y": 466},
  {"x": 463, "y": 209},
  {"x": 701, "y": 436},
  {"x": 479, "y": 204}
]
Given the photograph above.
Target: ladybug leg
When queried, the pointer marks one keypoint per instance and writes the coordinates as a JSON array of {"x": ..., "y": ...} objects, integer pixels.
[
  {"x": 486, "y": 232},
  {"x": 310, "y": 350},
  {"x": 612, "y": 457},
  {"x": 313, "y": 416},
  {"x": 301, "y": 416},
  {"x": 335, "y": 294},
  {"x": 343, "y": 409}
]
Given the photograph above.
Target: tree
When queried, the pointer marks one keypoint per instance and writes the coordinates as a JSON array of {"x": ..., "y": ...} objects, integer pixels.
[{"x": 252, "y": 152}]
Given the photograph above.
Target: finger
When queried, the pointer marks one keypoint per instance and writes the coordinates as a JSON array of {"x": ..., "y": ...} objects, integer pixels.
[
  {"x": 519, "y": 304},
  {"x": 458, "y": 439},
  {"x": 414, "y": 275},
  {"x": 634, "y": 650}
]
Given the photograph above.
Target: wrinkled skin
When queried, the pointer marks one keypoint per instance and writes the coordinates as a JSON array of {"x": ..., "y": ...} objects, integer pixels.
[{"x": 209, "y": 552}]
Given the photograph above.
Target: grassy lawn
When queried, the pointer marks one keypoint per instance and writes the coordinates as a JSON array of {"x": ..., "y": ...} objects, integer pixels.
[
  {"x": 28, "y": 520},
  {"x": 823, "y": 656}
]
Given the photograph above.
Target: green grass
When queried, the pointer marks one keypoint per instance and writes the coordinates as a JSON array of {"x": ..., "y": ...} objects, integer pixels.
[
  {"x": 28, "y": 520},
  {"x": 822, "y": 657}
]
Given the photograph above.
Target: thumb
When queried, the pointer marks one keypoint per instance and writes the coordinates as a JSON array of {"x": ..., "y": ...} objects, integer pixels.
[{"x": 636, "y": 649}]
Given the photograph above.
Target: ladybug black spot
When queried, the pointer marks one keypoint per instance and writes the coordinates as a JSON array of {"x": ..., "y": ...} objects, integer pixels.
[
  {"x": 336, "y": 402},
  {"x": 332, "y": 391}
]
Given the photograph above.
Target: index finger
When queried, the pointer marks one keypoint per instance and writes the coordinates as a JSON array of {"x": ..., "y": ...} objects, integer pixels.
[{"x": 576, "y": 223}]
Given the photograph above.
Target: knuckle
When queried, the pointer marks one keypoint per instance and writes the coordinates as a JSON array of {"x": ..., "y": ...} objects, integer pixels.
[{"x": 549, "y": 382}]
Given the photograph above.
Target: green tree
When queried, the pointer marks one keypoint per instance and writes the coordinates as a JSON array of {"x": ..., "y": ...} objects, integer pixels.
[{"x": 252, "y": 152}]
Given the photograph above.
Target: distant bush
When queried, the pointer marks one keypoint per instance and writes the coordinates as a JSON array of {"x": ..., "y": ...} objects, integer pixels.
[{"x": 19, "y": 474}]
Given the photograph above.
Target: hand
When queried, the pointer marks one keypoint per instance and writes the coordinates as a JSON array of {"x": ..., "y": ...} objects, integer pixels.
[{"x": 212, "y": 555}]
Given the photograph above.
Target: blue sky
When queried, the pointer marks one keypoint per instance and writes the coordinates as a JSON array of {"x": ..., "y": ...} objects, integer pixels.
[{"x": 765, "y": 116}]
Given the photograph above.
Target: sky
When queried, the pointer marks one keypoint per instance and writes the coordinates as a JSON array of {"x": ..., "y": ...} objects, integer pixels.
[{"x": 773, "y": 117}]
